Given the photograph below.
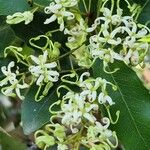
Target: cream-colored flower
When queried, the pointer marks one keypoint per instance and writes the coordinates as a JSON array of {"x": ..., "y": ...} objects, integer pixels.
[
  {"x": 104, "y": 99},
  {"x": 42, "y": 70},
  {"x": 59, "y": 12},
  {"x": 90, "y": 87},
  {"x": 13, "y": 84},
  {"x": 100, "y": 137},
  {"x": 74, "y": 108},
  {"x": 10, "y": 76},
  {"x": 62, "y": 147},
  {"x": 117, "y": 39}
]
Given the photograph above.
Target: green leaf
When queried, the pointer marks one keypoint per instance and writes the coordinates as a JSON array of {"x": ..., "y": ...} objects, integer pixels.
[
  {"x": 9, "y": 7},
  {"x": 133, "y": 101},
  {"x": 7, "y": 35},
  {"x": 142, "y": 2},
  {"x": 43, "y": 2},
  {"x": 145, "y": 14},
  {"x": 9, "y": 143},
  {"x": 35, "y": 114}
]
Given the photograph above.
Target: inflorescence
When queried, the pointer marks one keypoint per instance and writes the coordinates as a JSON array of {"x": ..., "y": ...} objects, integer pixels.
[{"x": 112, "y": 36}]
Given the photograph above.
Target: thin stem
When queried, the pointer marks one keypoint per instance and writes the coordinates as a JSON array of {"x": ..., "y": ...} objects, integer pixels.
[
  {"x": 38, "y": 5},
  {"x": 139, "y": 12},
  {"x": 118, "y": 4},
  {"x": 85, "y": 145},
  {"x": 53, "y": 31},
  {"x": 147, "y": 23},
  {"x": 59, "y": 66},
  {"x": 72, "y": 68},
  {"x": 112, "y": 5},
  {"x": 66, "y": 54},
  {"x": 35, "y": 9},
  {"x": 100, "y": 6},
  {"x": 128, "y": 3},
  {"x": 24, "y": 63},
  {"x": 67, "y": 71},
  {"x": 90, "y": 2},
  {"x": 144, "y": 5},
  {"x": 85, "y": 6}
]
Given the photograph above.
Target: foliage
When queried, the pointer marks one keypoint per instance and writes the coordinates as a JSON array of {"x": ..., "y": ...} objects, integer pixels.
[{"x": 72, "y": 63}]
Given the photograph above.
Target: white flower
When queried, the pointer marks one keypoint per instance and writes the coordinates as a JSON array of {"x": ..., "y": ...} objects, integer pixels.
[
  {"x": 10, "y": 76},
  {"x": 42, "y": 70},
  {"x": 107, "y": 19},
  {"x": 117, "y": 31},
  {"x": 74, "y": 108},
  {"x": 9, "y": 91},
  {"x": 102, "y": 129},
  {"x": 99, "y": 136},
  {"x": 90, "y": 87},
  {"x": 58, "y": 9},
  {"x": 132, "y": 56},
  {"x": 62, "y": 147},
  {"x": 77, "y": 34},
  {"x": 94, "y": 26},
  {"x": 18, "y": 17},
  {"x": 103, "y": 99},
  {"x": 109, "y": 37},
  {"x": 13, "y": 84}
]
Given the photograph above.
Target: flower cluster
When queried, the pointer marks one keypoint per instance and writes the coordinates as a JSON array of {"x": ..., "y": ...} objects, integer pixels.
[
  {"x": 118, "y": 38},
  {"x": 112, "y": 36},
  {"x": 77, "y": 37},
  {"x": 77, "y": 34},
  {"x": 11, "y": 85},
  {"x": 100, "y": 137},
  {"x": 43, "y": 73},
  {"x": 78, "y": 113},
  {"x": 40, "y": 72}
]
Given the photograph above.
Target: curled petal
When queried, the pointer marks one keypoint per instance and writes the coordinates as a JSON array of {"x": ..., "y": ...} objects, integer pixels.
[
  {"x": 89, "y": 117},
  {"x": 40, "y": 79},
  {"x": 51, "y": 65},
  {"x": 51, "y": 19},
  {"x": 35, "y": 59}
]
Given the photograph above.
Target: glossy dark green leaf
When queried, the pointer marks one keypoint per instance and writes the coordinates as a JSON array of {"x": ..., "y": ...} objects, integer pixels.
[
  {"x": 133, "y": 101},
  {"x": 9, "y": 7},
  {"x": 141, "y": 2},
  {"x": 35, "y": 114},
  {"x": 9, "y": 143},
  {"x": 145, "y": 14},
  {"x": 7, "y": 35},
  {"x": 43, "y": 2}
]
